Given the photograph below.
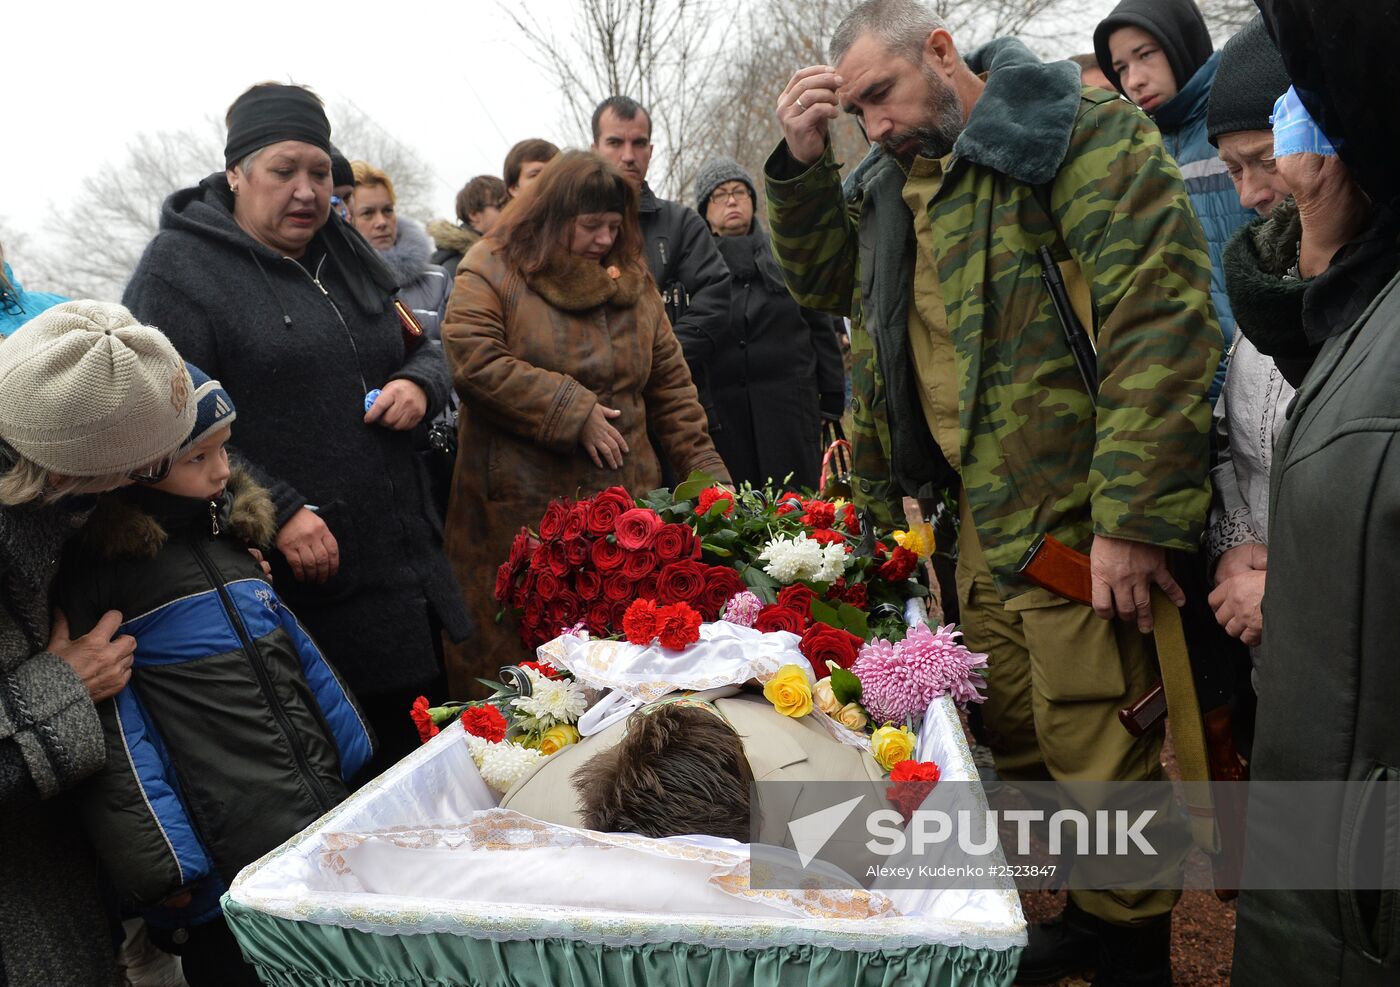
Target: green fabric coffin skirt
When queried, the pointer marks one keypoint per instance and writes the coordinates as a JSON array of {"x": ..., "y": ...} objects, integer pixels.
[{"x": 303, "y": 954}]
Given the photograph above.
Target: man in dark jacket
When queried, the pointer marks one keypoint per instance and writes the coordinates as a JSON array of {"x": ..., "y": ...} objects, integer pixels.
[
  {"x": 1330, "y": 678},
  {"x": 693, "y": 280}
]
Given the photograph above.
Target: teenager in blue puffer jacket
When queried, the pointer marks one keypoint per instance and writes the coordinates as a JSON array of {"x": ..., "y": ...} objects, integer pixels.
[
  {"x": 234, "y": 733},
  {"x": 1146, "y": 48}
]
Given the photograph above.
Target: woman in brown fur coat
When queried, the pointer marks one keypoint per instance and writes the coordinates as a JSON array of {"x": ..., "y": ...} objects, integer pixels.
[{"x": 562, "y": 355}]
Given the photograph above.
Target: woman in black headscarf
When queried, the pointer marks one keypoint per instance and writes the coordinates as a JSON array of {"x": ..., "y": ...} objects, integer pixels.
[
  {"x": 295, "y": 316},
  {"x": 1327, "y": 698}
]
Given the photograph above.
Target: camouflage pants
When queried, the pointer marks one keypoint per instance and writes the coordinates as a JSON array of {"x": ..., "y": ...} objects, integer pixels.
[{"x": 1056, "y": 677}]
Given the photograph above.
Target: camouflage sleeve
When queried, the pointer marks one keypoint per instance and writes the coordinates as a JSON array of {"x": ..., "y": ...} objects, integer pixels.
[
  {"x": 872, "y": 485},
  {"x": 1122, "y": 205},
  {"x": 814, "y": 234}
]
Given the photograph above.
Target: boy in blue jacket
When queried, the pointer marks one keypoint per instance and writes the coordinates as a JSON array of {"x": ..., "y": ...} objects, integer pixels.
[{"x": 234, "y": 733}]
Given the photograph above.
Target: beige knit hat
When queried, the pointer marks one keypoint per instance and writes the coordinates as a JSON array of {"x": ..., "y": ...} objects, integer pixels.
[{"x": 86, "y": 390}]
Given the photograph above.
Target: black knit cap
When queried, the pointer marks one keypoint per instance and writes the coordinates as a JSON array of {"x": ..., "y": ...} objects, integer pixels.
[
  {"x": 341, "y": 172},
  {"x": 1176, "y": 24},
  {"x": 1248, "y": 83},
  {"x": 274, "y": 112}
]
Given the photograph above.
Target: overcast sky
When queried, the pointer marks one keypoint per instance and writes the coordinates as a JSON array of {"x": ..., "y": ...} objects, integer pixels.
[{"x": 452, "y": 80}]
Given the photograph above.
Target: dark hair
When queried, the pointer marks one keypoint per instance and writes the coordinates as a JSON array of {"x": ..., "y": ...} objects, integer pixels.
[
  {"x": 680, "y": 770},
  {"x": 482, "y": 192},
  {"x": 538, "y": 222},
  {"x": 534, "y": 149},
  {"x": 624, "y": 108}
]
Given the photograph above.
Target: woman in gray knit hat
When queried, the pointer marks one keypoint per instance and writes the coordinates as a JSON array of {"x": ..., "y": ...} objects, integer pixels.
[
  {"x": 90, "y": 400},
  {"x": 782, "y": 372}
]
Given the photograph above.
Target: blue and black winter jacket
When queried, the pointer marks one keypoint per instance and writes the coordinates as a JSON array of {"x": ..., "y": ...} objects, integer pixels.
[{"x": 234, "y": 733}]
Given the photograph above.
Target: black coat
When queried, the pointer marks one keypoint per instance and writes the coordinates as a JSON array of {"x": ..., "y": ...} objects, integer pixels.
[
  {"x": 780, "y": 366},
  {"x": 1328, "y": 676},
  {"x": 298, "y": 358},
  {"x": 694, "y": 285}
]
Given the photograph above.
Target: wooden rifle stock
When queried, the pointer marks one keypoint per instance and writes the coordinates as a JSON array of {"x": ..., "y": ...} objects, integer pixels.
[{"x": 1053, "y": 565}]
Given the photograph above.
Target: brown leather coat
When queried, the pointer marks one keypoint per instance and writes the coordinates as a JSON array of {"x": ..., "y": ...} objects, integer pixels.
[{"x": 530, "y": 356}]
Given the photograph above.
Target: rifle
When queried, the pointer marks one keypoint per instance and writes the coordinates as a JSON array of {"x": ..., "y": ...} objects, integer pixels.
[
  {"x": 1080, "y": 345},
  {"x": 1054, "y": 566}
]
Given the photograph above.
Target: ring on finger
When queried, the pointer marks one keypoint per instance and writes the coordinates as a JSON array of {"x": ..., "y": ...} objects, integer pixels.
[{"x": 800, "y": 104}]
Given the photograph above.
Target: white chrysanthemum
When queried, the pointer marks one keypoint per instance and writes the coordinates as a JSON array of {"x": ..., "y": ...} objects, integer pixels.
[
  {"x": 834, "y": 559},
  {"x": 476, "y": 746},
  {"x": 791, "y": 559},
  {"x": 552, "y": 701},
  {"x": 503, "y": 764}
]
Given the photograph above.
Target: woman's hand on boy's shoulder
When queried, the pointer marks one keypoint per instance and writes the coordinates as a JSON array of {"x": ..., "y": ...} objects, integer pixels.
[{"x": 100, "y": 660}]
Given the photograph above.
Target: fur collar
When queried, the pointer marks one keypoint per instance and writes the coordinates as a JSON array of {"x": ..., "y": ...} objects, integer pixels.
[
  {"x": 125, "y": 527},
  {"x": 1021, "y": 124},
  {"x": 409, "y": 257},
  {"x": 449, "y": 236},
  {"x": 575, "y": 284}
]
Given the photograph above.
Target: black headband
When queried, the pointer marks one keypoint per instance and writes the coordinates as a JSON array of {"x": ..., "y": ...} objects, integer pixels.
[{"x": 268, "y": 114}]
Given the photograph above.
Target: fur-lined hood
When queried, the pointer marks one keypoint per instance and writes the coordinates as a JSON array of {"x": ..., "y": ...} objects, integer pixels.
[
  {"x": 450, "y": 236},
  {"x": 576, "y": 284},
  {"x": 123, "y": 526},
  {"x": 409, "y": 257}
]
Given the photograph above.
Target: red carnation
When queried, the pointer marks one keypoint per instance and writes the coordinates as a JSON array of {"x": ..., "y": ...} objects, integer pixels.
[
  {"x": 543, "y": 667},
  {"x": 681, "y": 582},
  {"x": 606, "y": 508},
  {"x": 820, "y": 514},
  {"x": 851, "y": 518},
  {"x": 709, "y": 497},
  {"x": 552, "y": 524},
  {"x": 797, "y": 596},
  {"x": 900, "y": 566},
  {"x": 721, "y": 584},
  {"x": 423, "y": 720},
  {"x": 637, "y": 527},
  {"x": 788, "y": 503},
  {"x": 678, "y": 626},
  {"x": 673, "y": 542},
  {"x": 639, "y": 623},
  {"x": 913, "y": 780},
  {"x": 485, "y": 722},
  {"x": 827, "y": 536},
  {"x": 607, "y": 555},
  {"x": 617, "y": 587},
  {"x": 857, "y": 595},
  {"x": 822, "y": 643},
  {"x": 638, "y": 565},
  {"x": 589, "y": 585},
  {"x": 779, "y": 618}
]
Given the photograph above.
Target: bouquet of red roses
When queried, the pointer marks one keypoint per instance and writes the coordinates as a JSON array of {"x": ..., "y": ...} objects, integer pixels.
[{"x": 592, "y": 558}]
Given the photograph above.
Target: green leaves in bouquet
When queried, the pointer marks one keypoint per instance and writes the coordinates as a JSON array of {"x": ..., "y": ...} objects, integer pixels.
[
  {"x": 842, "y": 616},
  {"x": 690, "y": 489},
  {"x": 845, "y": 686}
]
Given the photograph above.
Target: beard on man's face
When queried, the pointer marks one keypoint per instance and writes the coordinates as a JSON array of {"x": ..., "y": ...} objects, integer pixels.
[{"x": 943, "y": 126}]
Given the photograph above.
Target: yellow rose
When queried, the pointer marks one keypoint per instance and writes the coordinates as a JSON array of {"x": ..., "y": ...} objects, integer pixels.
[
  {"x": 889, "y": 745},
  {"x": 825, "y": 699},
  {"x": 852, "y": 716},
  {"x": 789, "y": 691},
  {"x": 557, "y": 738}
]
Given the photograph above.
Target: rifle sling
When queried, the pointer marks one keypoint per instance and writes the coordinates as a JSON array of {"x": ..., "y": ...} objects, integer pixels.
[{"x": 1188, "y": 732}]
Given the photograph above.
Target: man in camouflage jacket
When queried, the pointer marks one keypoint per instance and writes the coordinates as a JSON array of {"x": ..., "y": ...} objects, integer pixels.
[{"x": 962, "y": 372}]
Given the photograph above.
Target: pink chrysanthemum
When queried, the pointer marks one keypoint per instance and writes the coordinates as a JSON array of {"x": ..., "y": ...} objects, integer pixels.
[
  {"x": 899, "y": 681},
  {"x": 742, "y": 609}
]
